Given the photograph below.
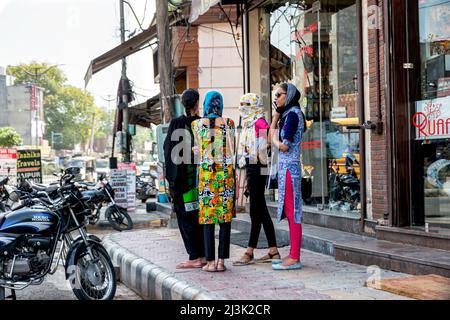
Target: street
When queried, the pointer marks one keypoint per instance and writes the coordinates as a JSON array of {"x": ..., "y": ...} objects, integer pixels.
[{"x": 56, "y": 287}]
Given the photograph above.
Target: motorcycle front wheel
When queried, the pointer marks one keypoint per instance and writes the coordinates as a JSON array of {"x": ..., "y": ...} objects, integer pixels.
[
  {"x": 95, "y": 279},
  {"x": 119, "y": 218}
]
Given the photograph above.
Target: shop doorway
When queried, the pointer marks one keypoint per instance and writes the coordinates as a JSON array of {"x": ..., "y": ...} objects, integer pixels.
[{"x": 428, "y": 24}]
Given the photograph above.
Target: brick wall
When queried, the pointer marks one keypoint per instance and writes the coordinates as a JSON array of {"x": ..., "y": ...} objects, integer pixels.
[
  {"x": 378, "y": 148},
  {"x": 186, "y": 53}
]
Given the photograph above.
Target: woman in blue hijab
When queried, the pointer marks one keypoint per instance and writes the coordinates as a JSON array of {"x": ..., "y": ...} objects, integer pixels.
[
  {"x": 214, "y": 138},
  {"x": 289, "y": 120}
]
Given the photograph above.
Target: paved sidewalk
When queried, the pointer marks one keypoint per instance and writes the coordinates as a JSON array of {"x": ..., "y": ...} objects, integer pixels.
[{"x": 147, "y": 266}]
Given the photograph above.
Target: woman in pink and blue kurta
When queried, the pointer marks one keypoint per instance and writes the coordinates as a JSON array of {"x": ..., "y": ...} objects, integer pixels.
[{"x": 290, "y": 121}]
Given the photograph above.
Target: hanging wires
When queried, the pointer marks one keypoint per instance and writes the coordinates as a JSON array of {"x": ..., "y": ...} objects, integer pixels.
[{"x": 232, "y": 30}]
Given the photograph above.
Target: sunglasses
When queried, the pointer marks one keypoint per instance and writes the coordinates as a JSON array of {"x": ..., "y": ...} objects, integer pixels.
[
  {"x": 248, "y": 104},
  {"x": 278, "y": 94}
]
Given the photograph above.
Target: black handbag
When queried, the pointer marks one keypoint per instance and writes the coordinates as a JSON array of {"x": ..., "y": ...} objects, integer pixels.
[
  {"x": 306, "y": 188},
  {"x": 273, "y": 182}
]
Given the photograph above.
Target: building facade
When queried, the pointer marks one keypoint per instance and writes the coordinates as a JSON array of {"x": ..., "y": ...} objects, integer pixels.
[
  {"x": 21, "y": 107},
  {"x": 374, "y": 76}
]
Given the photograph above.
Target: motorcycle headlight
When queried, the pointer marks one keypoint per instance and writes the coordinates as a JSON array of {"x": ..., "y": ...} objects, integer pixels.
[{"x": 14, "y": 196}]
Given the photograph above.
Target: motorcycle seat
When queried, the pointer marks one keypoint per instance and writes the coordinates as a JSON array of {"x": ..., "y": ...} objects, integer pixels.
[{"x": 41, "y": 187}]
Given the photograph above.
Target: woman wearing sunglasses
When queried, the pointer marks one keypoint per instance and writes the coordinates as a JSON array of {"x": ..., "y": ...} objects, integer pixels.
[
  {"x": 253, "y": 148},
  {"x": 290, "y": 122}
]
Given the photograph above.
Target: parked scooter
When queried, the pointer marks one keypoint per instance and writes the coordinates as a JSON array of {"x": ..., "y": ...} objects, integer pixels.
[
  {"x": 146, "y": 189},
  {"x": 344, "y": 188},
  {"x": 95, "y": 196}
]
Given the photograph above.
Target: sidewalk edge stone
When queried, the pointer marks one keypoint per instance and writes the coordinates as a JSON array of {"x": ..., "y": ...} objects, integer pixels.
[{"x": 151, "y": 281}]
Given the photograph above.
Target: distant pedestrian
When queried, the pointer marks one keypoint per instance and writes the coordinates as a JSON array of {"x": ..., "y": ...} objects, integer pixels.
[
  {"x": 214, "y": 137},
  {"x": 253, "y": 146},
  {"x": 290, "y": 121},
  {"x": 181, "y": 173}
]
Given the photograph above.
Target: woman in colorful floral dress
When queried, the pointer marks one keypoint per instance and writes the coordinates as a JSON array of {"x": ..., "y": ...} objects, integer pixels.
[{"x": 214, "y": 138}]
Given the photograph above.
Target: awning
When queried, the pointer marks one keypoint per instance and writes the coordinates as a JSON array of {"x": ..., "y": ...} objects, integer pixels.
[
  {"x": 146, "y": 113},
  {"x": 125, "y": 49}
]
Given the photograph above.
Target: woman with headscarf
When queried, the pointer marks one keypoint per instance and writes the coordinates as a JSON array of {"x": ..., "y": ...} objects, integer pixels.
[
  {"x": 290, "y": 121},
  {"x": 214, "y": 138},
  {"x": 253, "y": 147}
]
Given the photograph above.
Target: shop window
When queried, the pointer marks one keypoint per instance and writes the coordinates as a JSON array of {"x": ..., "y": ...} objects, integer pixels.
[{"x": 322, "y": 48}]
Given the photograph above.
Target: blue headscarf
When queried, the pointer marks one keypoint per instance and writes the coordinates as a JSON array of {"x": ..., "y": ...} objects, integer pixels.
[{"x": 213, "y": 105}]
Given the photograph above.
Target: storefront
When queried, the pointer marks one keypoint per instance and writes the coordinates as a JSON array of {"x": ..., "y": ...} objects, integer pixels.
[
  {"x": 315, "y": 46},
  {"x": 420, "y": 77},
  {"x": 356, "y": 60}
]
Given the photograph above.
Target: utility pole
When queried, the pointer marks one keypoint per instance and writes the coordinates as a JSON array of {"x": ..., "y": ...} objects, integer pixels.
[
  {"x": 91, "y": 140},
  {"x": 164, "y": 61},
  {"x": 127, "y": 155}
]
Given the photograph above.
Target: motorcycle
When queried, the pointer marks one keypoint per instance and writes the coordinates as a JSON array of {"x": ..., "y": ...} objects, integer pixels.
[
  {"x": 146, "y": 189},
  {"x": 4, "y": 194},
  {"x": 37, "y": 235},
  {"x": 94, "y": 196},
  {"x": 344, "y": 188}
]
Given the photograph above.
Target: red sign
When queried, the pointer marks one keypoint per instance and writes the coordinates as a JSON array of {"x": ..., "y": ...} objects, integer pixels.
[
  {"x": 432, "y": 119},
  {"x": 309, "y": 29},
  {"x": 8, "y": 153},
  {"x": 33, "y": 98},
  {"x": 126, "y": 166},
  {"x": 308, "y": 49}
]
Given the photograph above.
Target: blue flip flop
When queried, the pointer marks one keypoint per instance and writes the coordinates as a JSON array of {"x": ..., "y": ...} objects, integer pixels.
[
  {"x": 277, "y": 261},
  {"x": 296, "y": 266}
]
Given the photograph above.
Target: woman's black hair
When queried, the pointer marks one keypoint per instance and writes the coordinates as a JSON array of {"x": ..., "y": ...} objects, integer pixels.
[{"x": 189, "y": 99}]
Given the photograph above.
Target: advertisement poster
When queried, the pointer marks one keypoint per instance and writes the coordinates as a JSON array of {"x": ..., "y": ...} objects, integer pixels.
[
  {"x": 29, "y": 165},
  {"x": 125, "y": 180},
  {"x": 8, "y": 163},
  {"x": 119, "y": 184},
  {"x": 432, "y": 119}
]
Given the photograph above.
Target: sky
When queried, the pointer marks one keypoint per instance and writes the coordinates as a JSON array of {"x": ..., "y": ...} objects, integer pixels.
[{"x": 72, "y": 33}]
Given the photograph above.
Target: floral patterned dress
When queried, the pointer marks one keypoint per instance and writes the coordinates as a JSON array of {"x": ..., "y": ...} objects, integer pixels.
[{"x": 216, "y": 181}]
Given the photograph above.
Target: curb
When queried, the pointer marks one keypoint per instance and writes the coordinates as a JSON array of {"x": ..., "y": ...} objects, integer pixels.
[{"x": 150, "y": 281}]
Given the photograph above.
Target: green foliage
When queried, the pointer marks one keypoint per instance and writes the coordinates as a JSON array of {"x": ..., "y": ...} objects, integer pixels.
[
  {"x": 9, "y": 138},
  {"x": 70, "y": 112}
]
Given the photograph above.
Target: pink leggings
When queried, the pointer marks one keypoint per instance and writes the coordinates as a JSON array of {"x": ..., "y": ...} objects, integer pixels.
[{"x": 295, "y": 230}]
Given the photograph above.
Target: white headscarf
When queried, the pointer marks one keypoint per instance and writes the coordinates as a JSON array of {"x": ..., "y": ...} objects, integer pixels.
[{"x": 251, "y": 109}]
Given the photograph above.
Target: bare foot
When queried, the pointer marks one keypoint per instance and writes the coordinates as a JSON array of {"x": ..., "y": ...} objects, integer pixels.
[
  {"x": 221, "y": 265},
  {"x": 210, "y": 267},
  {"x": 289, "y": 262}
]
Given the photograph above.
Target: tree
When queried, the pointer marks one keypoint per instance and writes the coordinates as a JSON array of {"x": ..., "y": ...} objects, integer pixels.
[
  {"x": 9, "y": 138},
  {"x": 68, "y": 110}
]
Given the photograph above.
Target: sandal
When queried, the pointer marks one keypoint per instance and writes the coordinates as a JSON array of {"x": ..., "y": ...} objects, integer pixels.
[
  {"x": 269, "y": 257},
  {"x": 245, "y": 260},
  {"x": 207, "y": 268},
  {"x": 222, "y": 269}
]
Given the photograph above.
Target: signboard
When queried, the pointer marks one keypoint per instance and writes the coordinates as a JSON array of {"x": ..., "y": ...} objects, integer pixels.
[
  {"x": 126, "y": 166},
  {"x": 8, "y": 162},
  {"x": 432, "y": 119},
  {"x": 443, "y": 87},
  {"x": 119, "y": 184},
  {"x": 126, "y": 183},
  {"x": 29, "y": 165},
  {"x": 33, "y": 98},
  {"x": 131, "y": 190}
]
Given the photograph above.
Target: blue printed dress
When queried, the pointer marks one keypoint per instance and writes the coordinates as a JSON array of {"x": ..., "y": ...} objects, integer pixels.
[{"x": 290, "y": 160}]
